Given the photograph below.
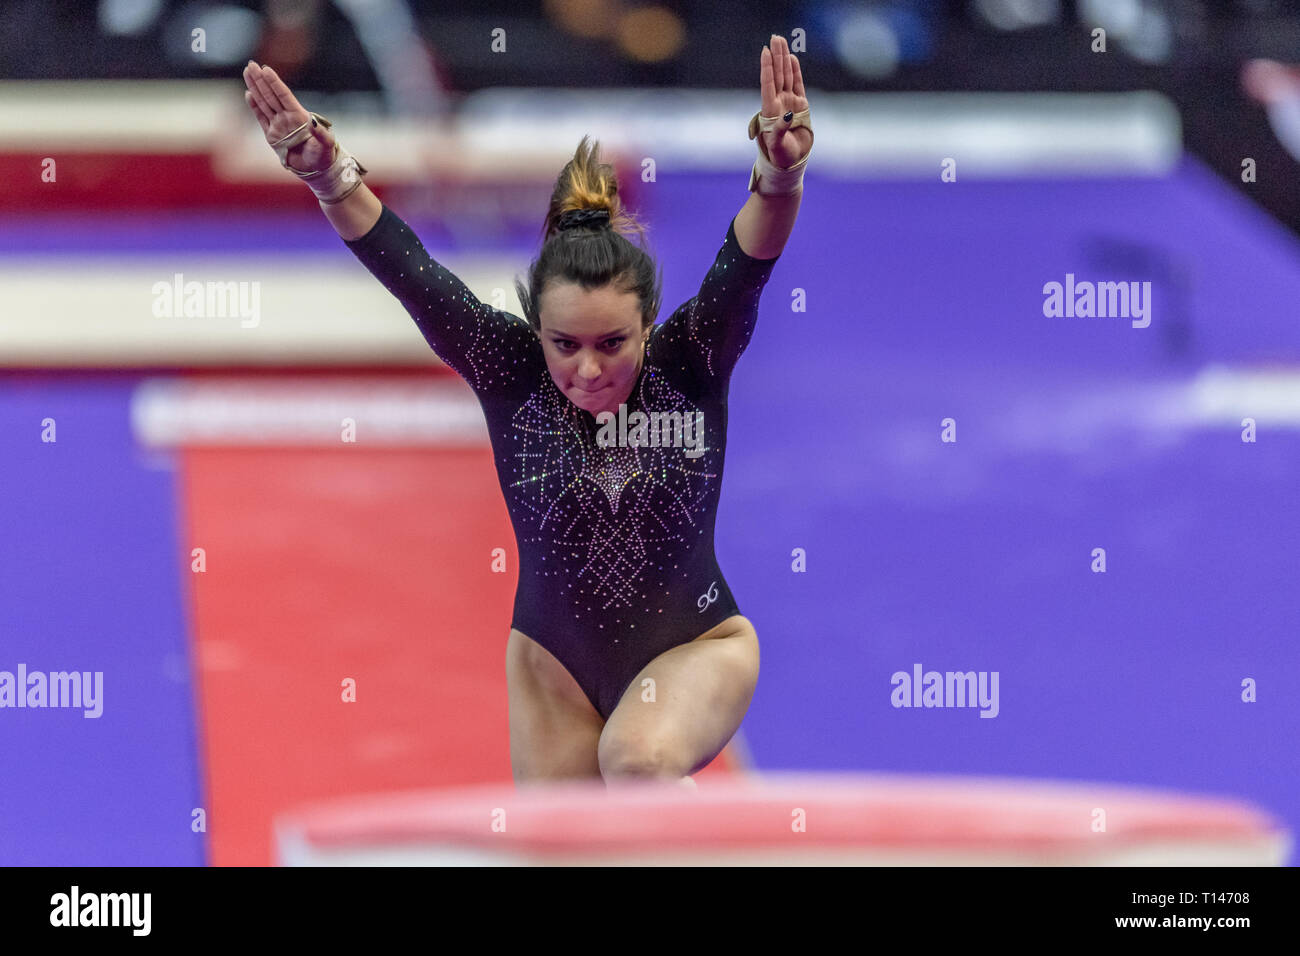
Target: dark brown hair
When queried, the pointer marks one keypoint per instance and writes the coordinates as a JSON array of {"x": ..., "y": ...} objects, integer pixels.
[{"x": 593, "y": 254}]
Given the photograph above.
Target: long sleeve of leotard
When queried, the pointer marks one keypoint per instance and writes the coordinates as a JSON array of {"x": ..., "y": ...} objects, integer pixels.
[
  {"x": 712, "y": 329},
  {"x": 487, "y": 347}
]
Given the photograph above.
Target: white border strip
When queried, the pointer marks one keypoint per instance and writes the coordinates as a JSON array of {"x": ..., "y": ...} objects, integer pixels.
[
  {"x": 310, "y": 310},
  {"x": 239, "y": 411},
  {"x": 515, "y": 133},
  {"x": 1222, "y": 394}
]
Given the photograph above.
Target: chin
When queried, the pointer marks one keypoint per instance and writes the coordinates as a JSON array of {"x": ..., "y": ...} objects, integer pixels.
[{"x": 600, "y": 402}]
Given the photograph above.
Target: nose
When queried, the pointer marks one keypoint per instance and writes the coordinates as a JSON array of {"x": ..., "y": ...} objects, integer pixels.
[{"x": 588, "y": 370}]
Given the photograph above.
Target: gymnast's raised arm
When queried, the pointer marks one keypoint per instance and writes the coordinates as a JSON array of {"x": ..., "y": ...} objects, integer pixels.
[
  {"x": 480, "y": 343},
  {"x": 714, "y": 328},
  {"x": 785, "y": 138}
]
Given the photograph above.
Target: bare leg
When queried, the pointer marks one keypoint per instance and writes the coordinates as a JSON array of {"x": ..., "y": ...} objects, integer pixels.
[
  {"x": 701, "y": 691},
  {"x": 554, "y": 730}
]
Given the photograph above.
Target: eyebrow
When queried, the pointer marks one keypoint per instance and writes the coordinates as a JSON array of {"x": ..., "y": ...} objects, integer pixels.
[{"x": 557, "y": 333}]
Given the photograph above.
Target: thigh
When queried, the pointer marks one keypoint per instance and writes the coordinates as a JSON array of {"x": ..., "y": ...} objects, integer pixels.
[
  {"x": 554, "y": 729},
  {"x": 702, "y": 690}
]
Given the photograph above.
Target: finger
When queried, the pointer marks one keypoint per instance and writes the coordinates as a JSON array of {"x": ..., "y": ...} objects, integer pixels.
[
  {"x": 259, "y": 94},
  {"x": 766, "y": 86},
  {"x": 323, "y": 135},
  {"x": 778, "y": 67},
  {"x": 787, "y": 79},
  {"x": 282, "y": 92},
  {"x": 262, "y": 119},
  {"x": 778, "y": 64},
  {"x": 250, "y": 78},
  {"x": 270, "y": 102},
  {"x": 798, "y": 77}
]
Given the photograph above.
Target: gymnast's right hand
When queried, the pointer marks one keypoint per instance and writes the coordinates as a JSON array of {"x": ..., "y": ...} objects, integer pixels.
[{"x": 279, "y": 113}]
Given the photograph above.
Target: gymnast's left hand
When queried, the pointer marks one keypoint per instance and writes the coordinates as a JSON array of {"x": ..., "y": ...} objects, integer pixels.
[{"x": 781, "y": 87}]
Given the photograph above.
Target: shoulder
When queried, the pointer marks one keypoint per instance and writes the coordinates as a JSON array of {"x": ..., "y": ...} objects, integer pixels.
[{"x": 667, "y": 348}]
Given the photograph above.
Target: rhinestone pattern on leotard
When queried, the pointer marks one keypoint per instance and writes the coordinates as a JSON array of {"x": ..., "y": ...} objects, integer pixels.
[
  {"x": 609, "y": 512},
  {"x": 616, "y": 558}
]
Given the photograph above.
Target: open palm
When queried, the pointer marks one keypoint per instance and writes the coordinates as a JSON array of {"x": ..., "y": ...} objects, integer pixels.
[
  {"x": 781, "y": 87},
  {"x": 279, "y": 113}
]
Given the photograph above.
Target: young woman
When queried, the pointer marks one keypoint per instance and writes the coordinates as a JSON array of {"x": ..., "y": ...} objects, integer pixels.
[{"x": 628, "y": 657}]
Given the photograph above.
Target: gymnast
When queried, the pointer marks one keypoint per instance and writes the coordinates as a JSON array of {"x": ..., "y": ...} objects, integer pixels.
[{"x": 628, "y": 657}]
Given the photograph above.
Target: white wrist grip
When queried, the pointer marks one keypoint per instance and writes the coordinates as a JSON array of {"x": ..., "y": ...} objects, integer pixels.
[
  {"x": 330, "y": 185},
  {"x": 765, "y": 178}
]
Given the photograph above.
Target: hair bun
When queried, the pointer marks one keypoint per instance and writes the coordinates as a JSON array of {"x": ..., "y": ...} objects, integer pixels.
[{"x": 583, "y": 217}]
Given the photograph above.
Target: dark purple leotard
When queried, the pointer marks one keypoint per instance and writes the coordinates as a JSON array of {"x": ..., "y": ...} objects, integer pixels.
[{"x": 616, "y": 561}]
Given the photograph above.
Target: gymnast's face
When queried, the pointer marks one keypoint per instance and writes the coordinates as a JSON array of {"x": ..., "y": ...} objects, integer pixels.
[{"x": 593, "y": 342}]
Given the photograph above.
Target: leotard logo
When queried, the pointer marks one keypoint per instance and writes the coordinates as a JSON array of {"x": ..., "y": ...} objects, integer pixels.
[{"x": 708, "y": 597}]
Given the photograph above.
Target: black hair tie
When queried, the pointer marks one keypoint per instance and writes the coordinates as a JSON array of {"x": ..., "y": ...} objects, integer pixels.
[{"x": 582, "y": 217}]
